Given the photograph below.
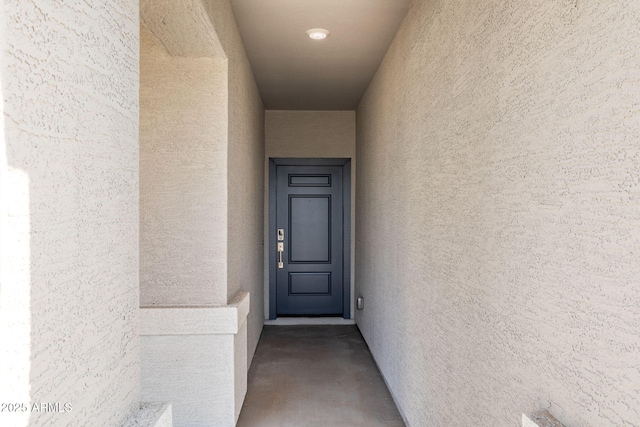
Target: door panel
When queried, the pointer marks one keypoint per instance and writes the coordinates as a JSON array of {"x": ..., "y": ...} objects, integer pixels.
[
  {"x": 309, "y": 208},
  {"x": 309, "y": 229},
  {"x": 310, "y": 283},
  {"x": 309, "y": 180}
]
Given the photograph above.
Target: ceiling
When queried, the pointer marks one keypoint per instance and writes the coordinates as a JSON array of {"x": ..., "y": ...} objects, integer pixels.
[{"x": 294, "y": 72}]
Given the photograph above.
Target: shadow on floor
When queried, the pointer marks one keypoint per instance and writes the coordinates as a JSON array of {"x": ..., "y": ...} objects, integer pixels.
[{"x": 316, "y": 376}]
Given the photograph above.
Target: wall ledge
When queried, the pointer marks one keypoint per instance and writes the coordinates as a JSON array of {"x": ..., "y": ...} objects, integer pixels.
[
  {"x": 195, "y": 320},
  {"x": 540, "y": 419},
  {"x": 152, "y": 415}
]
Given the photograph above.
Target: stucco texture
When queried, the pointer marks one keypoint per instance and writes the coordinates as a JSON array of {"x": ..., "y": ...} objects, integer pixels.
[
  {"x": 308, "y": 134},
  {"x": 498, "y": 224},
  {"x": 202, "y": 151},
  {"x": 69, "y": 219},
  {"x": 245, "y": 154},
  {"x": 183, "y": 175}
]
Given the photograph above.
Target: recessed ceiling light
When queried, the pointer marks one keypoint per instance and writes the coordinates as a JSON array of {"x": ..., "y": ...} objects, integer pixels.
[{"x": 318, "y": 33}]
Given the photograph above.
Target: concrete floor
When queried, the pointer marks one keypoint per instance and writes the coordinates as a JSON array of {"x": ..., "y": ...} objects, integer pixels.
[{"x": 316, "y": 376}]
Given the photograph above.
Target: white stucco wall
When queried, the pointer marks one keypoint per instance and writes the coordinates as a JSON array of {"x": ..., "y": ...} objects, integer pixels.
[
  {"x": 498, "y": 224},
  {"x": 196, "y": 358},
  {"x": 69, "y": 217},
  {"x": 202, "y": 150},
  {"x": 309, "y": 134},
  {"x": 245, "y": 153},
  {"x": 183, "y": 177}
]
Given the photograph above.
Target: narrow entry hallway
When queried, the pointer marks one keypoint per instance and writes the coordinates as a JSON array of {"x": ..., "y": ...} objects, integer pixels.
[
  {"x": 316, "y": 376},
  {"x": 483, "y": 245}
]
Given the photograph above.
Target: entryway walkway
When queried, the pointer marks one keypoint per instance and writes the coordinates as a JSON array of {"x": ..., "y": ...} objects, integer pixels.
[{"x": 316, "y": 376}]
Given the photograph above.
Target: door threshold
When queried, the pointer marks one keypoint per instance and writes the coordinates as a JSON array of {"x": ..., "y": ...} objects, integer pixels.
[{"x": 284, "y": 321}]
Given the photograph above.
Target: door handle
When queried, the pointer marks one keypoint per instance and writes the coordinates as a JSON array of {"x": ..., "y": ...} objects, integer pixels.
[{"x": 280, "y": 250}]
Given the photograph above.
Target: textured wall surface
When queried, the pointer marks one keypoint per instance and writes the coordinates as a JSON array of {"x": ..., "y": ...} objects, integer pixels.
[
  {"x": 245, "y": 154},
  {"x": 198, "y": 362},
  {"x": 192, "y": 372},
  {"x": 308, "y": 134},
  {"x": 183, "y": 168},
  {"x": 498, "y": 225},
  {"x": 152, "y": 415},
  {"x": 69, "y": 221},
  {"x": 182, "y": 27}
]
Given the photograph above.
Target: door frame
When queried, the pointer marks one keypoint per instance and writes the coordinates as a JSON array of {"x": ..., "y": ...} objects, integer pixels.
[{"x": 346, "y": 225}]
